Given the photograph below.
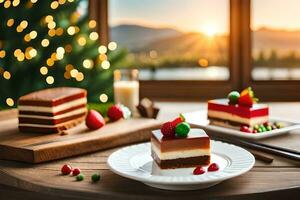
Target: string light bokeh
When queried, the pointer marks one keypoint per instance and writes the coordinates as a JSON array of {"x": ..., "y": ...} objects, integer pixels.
[{"x": 43, "y": 38}]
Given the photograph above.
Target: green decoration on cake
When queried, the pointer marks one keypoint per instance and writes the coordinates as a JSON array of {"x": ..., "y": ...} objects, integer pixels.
[{"x": 182, "y": 129}]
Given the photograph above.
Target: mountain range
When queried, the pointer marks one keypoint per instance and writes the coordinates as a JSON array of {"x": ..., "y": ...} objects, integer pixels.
[{"x": 142, "y": 39}]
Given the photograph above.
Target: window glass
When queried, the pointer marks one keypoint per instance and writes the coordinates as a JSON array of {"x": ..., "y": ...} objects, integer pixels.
[
  {"x": 275, "y": 28},
  {"x": 186, "y": 40}
]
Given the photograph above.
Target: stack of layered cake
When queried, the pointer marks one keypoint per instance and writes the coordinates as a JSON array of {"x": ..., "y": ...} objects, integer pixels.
[{"x": 52, "y": 110}]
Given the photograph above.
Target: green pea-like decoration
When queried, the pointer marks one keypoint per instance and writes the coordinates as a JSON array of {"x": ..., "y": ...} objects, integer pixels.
[
  {"x": 182, "y": 129},
  {"x": 233, "y": 97},
  {"x": 80, "y": 177},
  {"x": 95, "y": 177}
]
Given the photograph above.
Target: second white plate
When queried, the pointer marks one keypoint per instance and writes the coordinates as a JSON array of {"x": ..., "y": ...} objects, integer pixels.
[{"x": 199, "y": 118}]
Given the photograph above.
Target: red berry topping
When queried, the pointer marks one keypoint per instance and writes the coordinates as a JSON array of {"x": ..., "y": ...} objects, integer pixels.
[
  {"x": 178, "y": 120},
  {"x": 76, "y": 171},
  {"x": 254, "y": 131},
  {"x": 66, "y": 169},
  {"x": 213, "y": 167},
  {"x": 115, "y": 113},
  {"x": 168, "y": 129},
  {"x": 94, "y": 120},
  {"x": 198, "y": 171},
  {"x": 246, "y": 100},
  {"x": 245, "y": 129}
]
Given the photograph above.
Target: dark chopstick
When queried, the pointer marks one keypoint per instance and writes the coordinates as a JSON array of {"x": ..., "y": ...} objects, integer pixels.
[
  {"x": 262, "y": 157},
  {"x": 278, "y": 148},
  {"x": 265, "y": 148}
]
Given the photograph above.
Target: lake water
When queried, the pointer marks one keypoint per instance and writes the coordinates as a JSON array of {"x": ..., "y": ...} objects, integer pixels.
[{"x": 219, "y": 73}]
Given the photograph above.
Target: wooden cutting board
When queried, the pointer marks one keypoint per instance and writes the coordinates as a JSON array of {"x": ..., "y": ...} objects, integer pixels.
[{"x": 37, "y": 148}]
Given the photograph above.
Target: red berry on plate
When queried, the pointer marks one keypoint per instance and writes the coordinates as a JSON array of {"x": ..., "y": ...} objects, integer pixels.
[
  {"x": 66, "y": 169},
  {"x": 115, "y": 113},
  {"x": 245, "y": 129},
  {"x": 246, "y": 100},
  {"x": 198, "y": 171},
  {"x": 168, "y": 129},
  {"x": 254, "y": 131},
  {"x": 213, "y": 167},
  {"x": 94, "y": 120},
  {"x": 76, "y": 171}
]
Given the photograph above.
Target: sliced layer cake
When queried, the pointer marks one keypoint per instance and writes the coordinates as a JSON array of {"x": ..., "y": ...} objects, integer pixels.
[
  {"x": 52, "y": 110},
  {"x": 238, "y": 110},
  {"x": 180, "y": 152}
]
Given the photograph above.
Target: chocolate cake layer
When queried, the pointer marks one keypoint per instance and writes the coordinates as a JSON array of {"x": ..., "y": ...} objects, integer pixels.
[
  {"x": 50, "y": 114},
  {"x": 197, "y": 139},
  {"x": 55, "y": 129},
  {"x": 25, "y": 120},
  {"x": 181, "y": 162},
  {"x": 52, "y": 97}
]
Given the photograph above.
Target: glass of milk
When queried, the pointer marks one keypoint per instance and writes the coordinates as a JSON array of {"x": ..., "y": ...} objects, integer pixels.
[{"x": 126, "y": 88}]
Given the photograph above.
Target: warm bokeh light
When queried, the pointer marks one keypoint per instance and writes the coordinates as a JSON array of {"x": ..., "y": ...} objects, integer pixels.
[
  {"x": 45, "y": 42},
  {"x": 92, "y": 24},
  {"x": 50, "y": 80},
  {"x": 44, "y": 70},
  {"x": 10, "y": 102},
  {"x": 102, "y": 49},
  {"x": 2, "y": 53},
  {"x": 71, "y": 30},
  {"x": 10, "y": 22},
  {"x": 79, "y": 77},
  {"x": 203, "y": 62},
  {"x": 112, "y": 46},
  {"x": 24, "y": 24},
  {"x": 103, "y": 98},
  {"x": 81, "y": 41},
  {"x": 94, "y": 36},
  {"x": 88, "y": 64},
  {"x": 54, "y": 5},
  {"x": 74, "y": 73},
  {"x": 105, "y": 64},
  {"x": 6, "y": 75}
]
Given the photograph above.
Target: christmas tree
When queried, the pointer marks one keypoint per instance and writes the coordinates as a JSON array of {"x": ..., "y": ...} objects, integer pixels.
[{"x": 46, "y": 43}]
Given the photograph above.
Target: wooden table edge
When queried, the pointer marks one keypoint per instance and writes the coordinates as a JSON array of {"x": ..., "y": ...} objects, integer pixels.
[{"x": 43, "y": 188}]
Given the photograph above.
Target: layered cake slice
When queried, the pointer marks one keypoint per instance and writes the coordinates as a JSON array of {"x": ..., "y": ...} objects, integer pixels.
[
  {"x": 52, "y": 110},
  {"x": 180, "y": 152},
  {"x": 175, "y": 145},
  {"x": 238, "y": 110}
]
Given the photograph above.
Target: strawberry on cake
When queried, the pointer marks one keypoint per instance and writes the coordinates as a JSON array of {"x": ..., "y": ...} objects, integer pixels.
[{"x": 238, "y": 111}]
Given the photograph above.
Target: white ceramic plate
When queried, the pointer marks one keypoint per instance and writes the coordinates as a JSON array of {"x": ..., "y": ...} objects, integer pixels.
[
  {"x": 199, "y": 118},
  {"x": 135, "y": 162}
]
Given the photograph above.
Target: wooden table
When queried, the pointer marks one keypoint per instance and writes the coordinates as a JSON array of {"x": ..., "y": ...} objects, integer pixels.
[{"x": 43, "y": 181}]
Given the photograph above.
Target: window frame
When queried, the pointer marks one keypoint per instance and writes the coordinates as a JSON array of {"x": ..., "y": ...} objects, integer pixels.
[{"x": 240, "y": 64}]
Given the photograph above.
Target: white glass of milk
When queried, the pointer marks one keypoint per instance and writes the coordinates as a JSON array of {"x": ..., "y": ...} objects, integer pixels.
[{"x": 126, "y": 88}]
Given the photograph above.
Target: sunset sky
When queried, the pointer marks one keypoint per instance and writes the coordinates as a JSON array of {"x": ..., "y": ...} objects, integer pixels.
[{"x": 208, "y": 16}]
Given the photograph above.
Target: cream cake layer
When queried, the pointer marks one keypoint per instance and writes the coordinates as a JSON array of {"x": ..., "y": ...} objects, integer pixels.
[
  {"x": 236, "y": 118},
  {"x": 54, "y": 109},
  {"x": 179, "y": 154}
]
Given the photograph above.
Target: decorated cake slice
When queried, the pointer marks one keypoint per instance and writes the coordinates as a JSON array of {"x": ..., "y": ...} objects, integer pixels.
[
  {"x": 240, "y": 111},
  {"x": 175, "y": 145},
  {"x": 52, "y": 110}
]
